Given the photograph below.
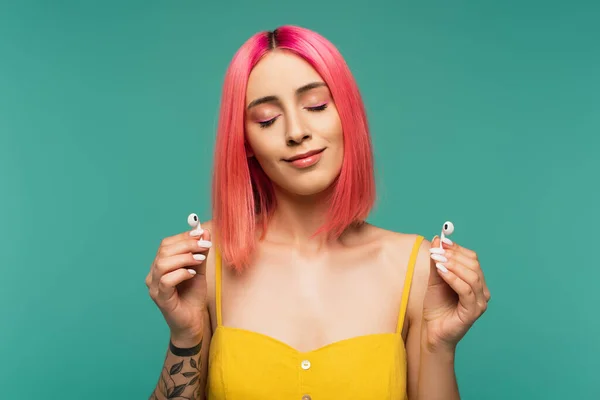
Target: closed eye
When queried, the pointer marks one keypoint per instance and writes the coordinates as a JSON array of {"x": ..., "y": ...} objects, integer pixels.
[
  {"x": 317, "y": 108},
  {"x": 264, "y": 124}
]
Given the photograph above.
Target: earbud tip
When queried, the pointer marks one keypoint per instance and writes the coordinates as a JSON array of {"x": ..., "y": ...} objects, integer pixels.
[
  {"x": 193, "y": 220},
  {"x": 448, "y": 228}
]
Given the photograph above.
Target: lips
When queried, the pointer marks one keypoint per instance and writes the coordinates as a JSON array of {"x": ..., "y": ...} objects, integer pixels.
[{"x": 304, "y": 155}]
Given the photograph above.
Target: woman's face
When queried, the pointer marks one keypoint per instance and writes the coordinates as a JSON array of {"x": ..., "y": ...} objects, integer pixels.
[{"x": 292, "y": 125}]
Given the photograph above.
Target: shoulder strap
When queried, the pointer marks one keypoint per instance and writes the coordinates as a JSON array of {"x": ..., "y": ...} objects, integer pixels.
[
  {"x": 218, "y": 286},
  {"x": 407, "y": 282}
]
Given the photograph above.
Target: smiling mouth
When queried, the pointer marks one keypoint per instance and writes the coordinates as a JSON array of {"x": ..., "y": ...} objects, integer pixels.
[
  {"x": 304, "y": 155},
  {"x": 305, "y": 160}
]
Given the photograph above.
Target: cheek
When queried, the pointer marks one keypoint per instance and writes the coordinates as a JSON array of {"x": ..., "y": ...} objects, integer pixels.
[
  {"x": 262, "y": 147},
  {"x": 335, "y": 138},
  {"x": 327, "y": 124},
  {"x": 332, "y": 129}
]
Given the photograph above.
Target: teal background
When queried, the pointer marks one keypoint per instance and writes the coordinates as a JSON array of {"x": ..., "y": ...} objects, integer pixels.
[{"x": 484, "y": 113}]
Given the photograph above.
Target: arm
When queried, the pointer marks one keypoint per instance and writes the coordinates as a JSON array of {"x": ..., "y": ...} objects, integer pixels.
[
  {"x": 184, "y": 376},
  {"x": 431, "y": 374}
]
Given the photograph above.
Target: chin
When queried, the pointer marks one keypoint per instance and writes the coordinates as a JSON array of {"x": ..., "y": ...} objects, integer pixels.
[{"x": 308, "y": 186}]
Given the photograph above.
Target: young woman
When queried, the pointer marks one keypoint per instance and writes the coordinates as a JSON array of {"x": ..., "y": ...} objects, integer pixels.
[{"x": 287, "y": 293}]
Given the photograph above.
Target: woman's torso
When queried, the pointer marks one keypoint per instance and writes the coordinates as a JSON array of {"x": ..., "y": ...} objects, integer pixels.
[{"x": 313, "y": 327}]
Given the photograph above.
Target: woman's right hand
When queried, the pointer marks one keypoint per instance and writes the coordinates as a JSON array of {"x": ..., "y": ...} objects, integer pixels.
[{"x": 177, "y": 284}]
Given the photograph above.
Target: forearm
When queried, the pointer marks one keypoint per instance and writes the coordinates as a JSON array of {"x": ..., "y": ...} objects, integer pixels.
[
  {"x": 437, "y": 377},
  {"x": 182, "y": 374},
  {"x": 185, "y": 369}
]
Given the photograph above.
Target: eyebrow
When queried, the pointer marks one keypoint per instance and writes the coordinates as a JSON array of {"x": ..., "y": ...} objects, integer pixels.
[{"x": 299, "y": 91}]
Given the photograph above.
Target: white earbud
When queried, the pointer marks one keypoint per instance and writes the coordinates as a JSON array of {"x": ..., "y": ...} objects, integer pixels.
[
  {"x": 447, "y": 230},
  {"x": 194, "y": 222}
]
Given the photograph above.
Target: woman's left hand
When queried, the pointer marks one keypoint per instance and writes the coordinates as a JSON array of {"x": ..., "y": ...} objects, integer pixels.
[{"x": 457, "y": 295}]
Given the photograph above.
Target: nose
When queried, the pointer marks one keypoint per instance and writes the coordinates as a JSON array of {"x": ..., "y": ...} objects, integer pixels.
[{"x": 296, "y": 132}]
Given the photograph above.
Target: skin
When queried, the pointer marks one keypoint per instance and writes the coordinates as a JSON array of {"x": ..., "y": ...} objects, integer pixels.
[
  {"x": 319, "y": 282},
  {"x": 326, "y": 273}
]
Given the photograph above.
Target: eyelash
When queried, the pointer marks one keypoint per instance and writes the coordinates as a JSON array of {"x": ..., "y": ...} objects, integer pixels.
[
  {"x": 317, "y": 108},
  {"x": 266, "y": 124}
]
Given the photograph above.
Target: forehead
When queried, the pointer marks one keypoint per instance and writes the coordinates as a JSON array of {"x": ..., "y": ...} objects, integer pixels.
[{"x": 279, "y": 73}]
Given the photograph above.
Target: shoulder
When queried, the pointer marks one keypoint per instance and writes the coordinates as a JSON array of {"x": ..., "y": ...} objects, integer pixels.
[
  {"x": 207, "y": 224},
  {"x": 210, "y": 259},
  {"x": 396, "y": 248},
  {"x": 394, "y": 244}
]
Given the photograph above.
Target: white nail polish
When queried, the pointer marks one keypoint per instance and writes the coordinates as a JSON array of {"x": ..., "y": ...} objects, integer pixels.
[
  {"x": 441, "y": 267},
  {"x": 447, "y": 241},
  {"x": 204, "y": 243},
  {"x": 438, "y": 257},
  {"x": 437, "y": 250},
  {"x": 191, "y": 271},
  {"x": 199, "y": 257},
  {"x": 196, "y": 232}
]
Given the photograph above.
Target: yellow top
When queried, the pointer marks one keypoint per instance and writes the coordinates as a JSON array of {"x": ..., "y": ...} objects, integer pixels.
[{"x": 246, "y": 365}]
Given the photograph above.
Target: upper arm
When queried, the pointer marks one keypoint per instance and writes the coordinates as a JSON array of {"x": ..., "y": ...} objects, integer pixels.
[{"x": 414, "y": 314}]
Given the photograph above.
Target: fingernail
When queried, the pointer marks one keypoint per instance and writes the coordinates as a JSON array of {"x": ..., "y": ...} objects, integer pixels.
[
  {"x": 197, "y": 232},
  {"x": 441, "y": 267},
  {"x": 436, "y": 250},
  {"x": 204, "y": 243},
  {"x": 191, "y": 271},
  {"x": 199, "y": 257},
  {"x": 438, "y": 257},
  {"x": 447, "y": 241}
]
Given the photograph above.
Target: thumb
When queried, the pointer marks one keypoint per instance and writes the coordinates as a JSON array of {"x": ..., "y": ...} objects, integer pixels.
[
  {"x": 434, "y": 273},
  {"x": 206, "y": 235},
  {"x": 435, "y": 242}
]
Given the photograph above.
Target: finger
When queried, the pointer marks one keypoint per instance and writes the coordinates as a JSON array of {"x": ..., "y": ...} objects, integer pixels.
[
  {"x": 486, "y": 293},
  {"x": 434, "y": 278},
  {"x": 192, "y": 233},
  {"x": 468, "y": 262},
  {"x": 435, "y": 245},
  {"x": 476, "y": 283},
  {"x": 163, "y": 266},
  {"x": 185, "y": 246},
  {"x": 468, "y": 275},
  {"x": 168, "y": 283},
  {"x": 466, "y": 257},
  {"x": 459, "y": 249},
  {"x": 466, "y": 295},
  {"x": 473, "y": 265}
]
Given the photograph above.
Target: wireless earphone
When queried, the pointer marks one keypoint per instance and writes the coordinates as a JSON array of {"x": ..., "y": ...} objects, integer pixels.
[
  {"x": 447, "y": 230},
  {"x": 194, "y": 222}
]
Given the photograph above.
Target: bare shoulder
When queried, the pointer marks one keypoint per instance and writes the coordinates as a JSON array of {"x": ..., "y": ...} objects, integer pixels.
[
  {"x": 396, "y": 247},
  {"x": 208, "y": 226},
  {"x": 393, "y": 244}
]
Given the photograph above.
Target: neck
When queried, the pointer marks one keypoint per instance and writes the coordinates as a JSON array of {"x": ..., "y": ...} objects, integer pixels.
[{"x": 297, "y": 218}]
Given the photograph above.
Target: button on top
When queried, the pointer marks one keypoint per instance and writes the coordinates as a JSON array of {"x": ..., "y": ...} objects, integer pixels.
[
  {"x": 306, "y": 365},
  {"x": 306, "y": 397}
]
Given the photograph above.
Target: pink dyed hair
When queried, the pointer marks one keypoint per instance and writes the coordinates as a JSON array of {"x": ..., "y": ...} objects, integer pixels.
[{"x": 242, "y": 194}]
